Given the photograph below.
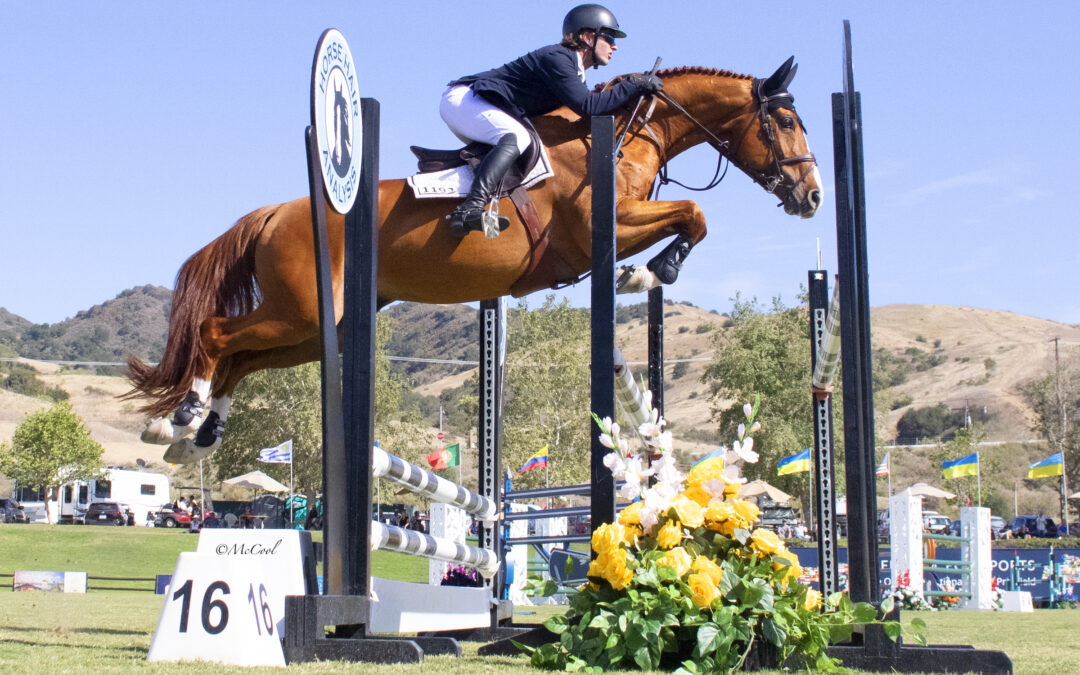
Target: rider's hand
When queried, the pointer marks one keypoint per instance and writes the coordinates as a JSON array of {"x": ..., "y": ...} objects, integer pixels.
[{"x": 646, "y": 83}]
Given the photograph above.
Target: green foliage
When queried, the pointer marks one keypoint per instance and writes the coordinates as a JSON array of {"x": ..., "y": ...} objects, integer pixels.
[
  {"x": 995, "y": 476},
  {"x": 22, "y": 379},
  {"x": 936, "y": 422},
  {"x": 679, "y": 370},
  {"x": 1055, "y": 399},
  {"x": 50, "y": 448},
  {"x": 547, "y": 391}
]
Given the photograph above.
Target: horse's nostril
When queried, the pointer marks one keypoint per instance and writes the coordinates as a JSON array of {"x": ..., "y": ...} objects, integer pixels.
[{"x": 815, "y": 198}]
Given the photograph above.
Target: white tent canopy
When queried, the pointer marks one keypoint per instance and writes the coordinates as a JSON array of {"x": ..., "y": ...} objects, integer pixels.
[
  {"x": 257, "y": 480},
  {"x": 924, "y": 490},
  {"x": 760, "y": 487}
]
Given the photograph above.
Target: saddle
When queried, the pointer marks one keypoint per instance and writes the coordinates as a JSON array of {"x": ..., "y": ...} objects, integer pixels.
[{"x": 546, "y": 266}]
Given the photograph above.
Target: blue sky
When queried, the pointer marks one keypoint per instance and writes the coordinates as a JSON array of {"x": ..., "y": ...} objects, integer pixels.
[{"x": 131, "y": 134}]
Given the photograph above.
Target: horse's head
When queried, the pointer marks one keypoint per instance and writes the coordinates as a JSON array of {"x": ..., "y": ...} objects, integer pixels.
[{"x": 772, "y": 149}]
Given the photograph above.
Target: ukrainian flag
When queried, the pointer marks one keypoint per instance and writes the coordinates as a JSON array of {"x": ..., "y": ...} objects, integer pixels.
[
  {"x": 794, "y": 464},
  {"x": 965, "y": 466},
  {"x": 536, "y": 461},
  {"x": 719, "y": 452},
  {"x": 1054, "y": 465}
]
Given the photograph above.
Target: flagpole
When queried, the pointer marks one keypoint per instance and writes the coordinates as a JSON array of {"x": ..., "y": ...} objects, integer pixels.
[
  {"x": 888, "y": 456},
  {"x": 978, "y": 476},
  {"x": 292, "y": 508}
]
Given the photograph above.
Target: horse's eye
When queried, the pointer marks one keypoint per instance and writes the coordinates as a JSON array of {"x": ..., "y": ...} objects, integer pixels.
[{"x": 787, "y": 122}]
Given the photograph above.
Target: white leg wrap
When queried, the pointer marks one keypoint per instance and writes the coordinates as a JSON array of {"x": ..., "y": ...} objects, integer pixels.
[
  {"x": 635, "y": 279},
  {"x": 221, "y": 406},
  {"x": 202, "y": 388}
]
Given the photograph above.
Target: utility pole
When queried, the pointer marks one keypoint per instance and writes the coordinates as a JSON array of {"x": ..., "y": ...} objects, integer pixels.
[{"x": 1061, "y": 437}]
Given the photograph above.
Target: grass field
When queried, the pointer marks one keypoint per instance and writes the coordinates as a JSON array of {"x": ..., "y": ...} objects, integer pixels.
[{"x": 110, "y": 631}]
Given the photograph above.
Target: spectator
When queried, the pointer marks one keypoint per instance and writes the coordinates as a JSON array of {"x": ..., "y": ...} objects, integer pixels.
[
  {"x": 247, "y": 519},
  {"x": 415, "y": 523}
]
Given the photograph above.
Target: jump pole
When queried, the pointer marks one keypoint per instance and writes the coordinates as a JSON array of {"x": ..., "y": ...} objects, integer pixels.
[{"x": 870, "y": 649}]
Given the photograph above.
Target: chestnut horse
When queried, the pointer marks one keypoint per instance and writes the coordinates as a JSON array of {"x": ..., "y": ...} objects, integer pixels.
[{"x": 247, "y": 301}]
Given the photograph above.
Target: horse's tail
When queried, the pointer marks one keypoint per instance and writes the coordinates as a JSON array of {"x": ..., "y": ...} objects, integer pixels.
[{"x": 219, "y": 280}]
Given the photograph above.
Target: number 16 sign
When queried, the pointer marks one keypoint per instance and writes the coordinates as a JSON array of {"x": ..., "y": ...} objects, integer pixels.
[{"x": 218, "y": 609}]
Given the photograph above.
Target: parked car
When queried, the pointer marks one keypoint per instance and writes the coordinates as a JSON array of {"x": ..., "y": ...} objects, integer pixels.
[
  {"x": 167, "y": 516},
  {"x": 997, "y": 526},
  {"x": 11, "y": 511},
  {"x": 105, "y": 513},
  {"x": 954, "y": 527},
  {"x": 1034, "y": 526},
  {"x": 935, "y": 523}
]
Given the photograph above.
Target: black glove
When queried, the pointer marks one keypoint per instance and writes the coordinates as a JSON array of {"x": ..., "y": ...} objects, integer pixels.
[{"x": 646, "y": 83}]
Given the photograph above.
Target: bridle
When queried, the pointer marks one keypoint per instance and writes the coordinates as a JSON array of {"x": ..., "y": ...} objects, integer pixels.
[{"x": 770, "y": 181}]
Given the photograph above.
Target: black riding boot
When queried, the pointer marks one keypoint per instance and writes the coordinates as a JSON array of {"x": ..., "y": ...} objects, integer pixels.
[{"x": 467, "y": 216}]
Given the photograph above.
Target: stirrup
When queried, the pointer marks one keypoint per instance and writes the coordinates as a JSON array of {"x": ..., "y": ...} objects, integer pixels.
[{"x": 478, "y": 220}]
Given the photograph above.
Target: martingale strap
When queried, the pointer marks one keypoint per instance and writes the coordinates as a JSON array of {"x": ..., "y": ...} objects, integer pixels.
[{"x": 547, "y": 269}]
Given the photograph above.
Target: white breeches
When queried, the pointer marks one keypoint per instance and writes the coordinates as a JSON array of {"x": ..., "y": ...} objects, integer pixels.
[{"x": 471, "y": 118}]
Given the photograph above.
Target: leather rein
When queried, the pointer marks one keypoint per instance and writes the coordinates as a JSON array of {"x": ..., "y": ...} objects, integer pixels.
[{"x": 770, "y": 182}]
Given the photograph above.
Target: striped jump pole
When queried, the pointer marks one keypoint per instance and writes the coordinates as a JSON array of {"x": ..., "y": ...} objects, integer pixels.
[
  {"x": 431, "y": 485},
  {"x": 627, "y": 392},
  {"x": 412, "y": 542}
]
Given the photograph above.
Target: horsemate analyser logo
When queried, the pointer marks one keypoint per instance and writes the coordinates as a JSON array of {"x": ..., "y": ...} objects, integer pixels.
[{"x": 335, "y": 114}]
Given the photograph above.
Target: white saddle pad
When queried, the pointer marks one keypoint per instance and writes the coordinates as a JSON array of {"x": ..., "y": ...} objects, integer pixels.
[{"x": 456, "y": 182}]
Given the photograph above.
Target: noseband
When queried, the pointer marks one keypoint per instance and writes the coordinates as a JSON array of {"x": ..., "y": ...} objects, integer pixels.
[{"x": 771, "y": 182}]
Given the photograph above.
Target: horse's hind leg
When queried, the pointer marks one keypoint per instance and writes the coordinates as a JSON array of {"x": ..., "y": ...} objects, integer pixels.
[{"x": 233, "y": 369}]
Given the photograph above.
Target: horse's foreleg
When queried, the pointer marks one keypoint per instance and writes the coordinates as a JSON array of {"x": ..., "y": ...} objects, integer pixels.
[{"x": 640, "y": 224}]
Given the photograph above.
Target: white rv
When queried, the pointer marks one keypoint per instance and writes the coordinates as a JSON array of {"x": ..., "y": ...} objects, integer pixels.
[{"x": 141, "y": 491}]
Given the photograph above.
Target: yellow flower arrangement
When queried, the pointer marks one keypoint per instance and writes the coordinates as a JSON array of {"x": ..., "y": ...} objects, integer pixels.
[
  {"x": 688, "y": 511},
  {"x": 607, "y": 537},
  {"x": 812, "y": 601},
  {"x": 631, "y": 515}
]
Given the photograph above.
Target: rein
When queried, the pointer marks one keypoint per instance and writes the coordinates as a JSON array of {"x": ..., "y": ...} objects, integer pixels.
[{"x": 769, "y": 182}]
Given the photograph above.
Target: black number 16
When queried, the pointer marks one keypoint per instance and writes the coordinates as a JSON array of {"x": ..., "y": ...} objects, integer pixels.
[{"x": 208, "y": 604}]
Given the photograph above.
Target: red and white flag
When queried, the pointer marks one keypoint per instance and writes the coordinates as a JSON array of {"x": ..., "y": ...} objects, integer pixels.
[{"x": 883, "y": 468}]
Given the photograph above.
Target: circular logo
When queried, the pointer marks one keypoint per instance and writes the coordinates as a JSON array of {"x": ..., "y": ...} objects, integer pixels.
[{"x": 335, "y": 114}]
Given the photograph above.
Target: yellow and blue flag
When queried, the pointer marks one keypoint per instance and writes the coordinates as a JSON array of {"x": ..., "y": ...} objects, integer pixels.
[
  {"x": 965, "y": 466},
  {"x": 796, "y": 463},
  {"x": 536, "y": 461},
  {"x": 719, "y": 452},
  {"x": 1054, "y": 465}
]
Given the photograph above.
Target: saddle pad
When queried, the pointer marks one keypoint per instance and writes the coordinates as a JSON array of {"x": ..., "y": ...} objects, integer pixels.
[{"x": 451, "y": 183}]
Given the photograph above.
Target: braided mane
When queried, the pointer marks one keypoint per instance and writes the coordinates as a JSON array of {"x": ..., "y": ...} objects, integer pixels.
[{"x": 682, "y": 70}]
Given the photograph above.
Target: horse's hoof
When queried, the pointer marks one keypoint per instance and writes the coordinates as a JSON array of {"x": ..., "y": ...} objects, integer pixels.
[
  {"x": 186, "y": 452},
  {"x": 161, "y": 431}
]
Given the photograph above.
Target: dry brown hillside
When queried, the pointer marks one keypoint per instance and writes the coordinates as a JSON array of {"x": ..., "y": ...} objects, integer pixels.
[{"x": 984, "y": 356}]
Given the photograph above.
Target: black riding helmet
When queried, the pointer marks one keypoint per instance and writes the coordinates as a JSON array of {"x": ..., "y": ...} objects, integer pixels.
[{"x": 590, "y": 17}]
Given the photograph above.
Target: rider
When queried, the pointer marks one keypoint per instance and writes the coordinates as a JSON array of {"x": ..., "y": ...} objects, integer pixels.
[{"x": 493, "y": 107}]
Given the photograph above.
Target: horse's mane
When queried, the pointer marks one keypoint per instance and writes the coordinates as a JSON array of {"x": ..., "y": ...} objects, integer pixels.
[{"x": 682, "y": 70}]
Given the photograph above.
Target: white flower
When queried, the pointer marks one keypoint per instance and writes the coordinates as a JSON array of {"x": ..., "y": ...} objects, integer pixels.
[
  {"x": 669, "y": 480},
  {"x": 615, "y": 463},
  {"x": 731, "y": 475},
  {"x": 745, "y": 451},
  {"x": 714, "y": 488},
  {"x": 630, "y": 490},
  {"x": 747, "y": 410},
  {"x": 755, "y": 428},
  {"x": 741, "y": 431}
]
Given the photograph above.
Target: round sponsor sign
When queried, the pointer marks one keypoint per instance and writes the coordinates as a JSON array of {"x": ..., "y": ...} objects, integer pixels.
[
  {"x": 335, "y": 114},
  {"x": 439, "y": 435}
]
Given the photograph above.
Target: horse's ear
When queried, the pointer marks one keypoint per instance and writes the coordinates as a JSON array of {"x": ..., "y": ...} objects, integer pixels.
[{"x": 779, "y": 80}]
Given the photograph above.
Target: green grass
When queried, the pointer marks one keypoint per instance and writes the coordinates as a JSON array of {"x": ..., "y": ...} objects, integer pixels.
[{"x": 109, "y": 631}]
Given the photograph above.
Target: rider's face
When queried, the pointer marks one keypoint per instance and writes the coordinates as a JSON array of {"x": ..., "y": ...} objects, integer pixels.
[{"x": 605, "y": 47}]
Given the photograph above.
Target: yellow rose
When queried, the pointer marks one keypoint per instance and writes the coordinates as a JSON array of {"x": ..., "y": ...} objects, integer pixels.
[
  {"x": 607, "y": 537},
  {"x": 688, "y": 511},
  {"x": 700, "y": 497},
  {"x": 813, "y": 600},
  {"x": 630, "y": 534},
  {"x": 596, "y": 567},
  {"x": 677, "y": 559},
  {"x": 720, "y": 511},
  {"x": 631, "y": 515},
  {"x": 616, "y": 571},
  {"x": 731, "y": 490},
  {"x": 703, "y": 565},
  {"x": 747, "y": 511},
  {"x": 766, "y": 542},
  {"x": 669, "y": 535},
  {"x": 794, "y": 570},
  {"x": 703, "y": 589}
]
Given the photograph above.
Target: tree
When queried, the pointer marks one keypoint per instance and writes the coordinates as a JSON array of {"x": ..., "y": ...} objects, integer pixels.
[
  {"x": 991, "y": 472},
  {"x": 768, "y": 355},
  {"x": 1055, "y": 399},
  {"x": 547, "y": 391},
  {"x": 50, "y": 448}
]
